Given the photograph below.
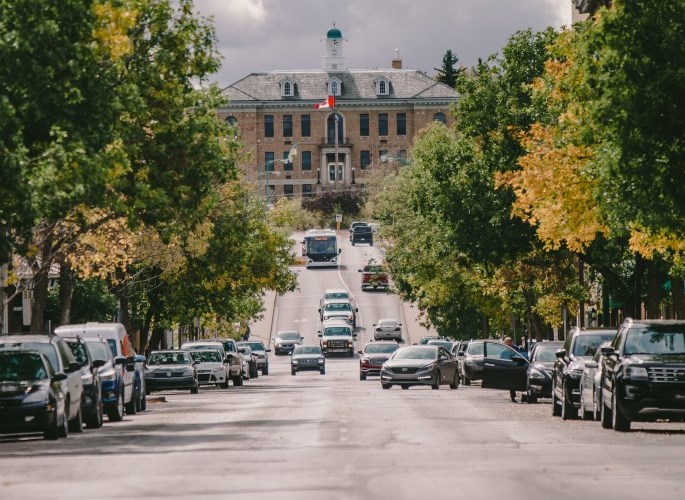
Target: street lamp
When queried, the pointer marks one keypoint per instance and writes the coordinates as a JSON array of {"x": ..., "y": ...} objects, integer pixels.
[
  {"x": 318, "y": 175},
  {"x": 353, "y": 181}
]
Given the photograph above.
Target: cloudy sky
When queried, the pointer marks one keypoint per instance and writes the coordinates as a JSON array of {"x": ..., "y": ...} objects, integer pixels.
[{"x": 266, "y": 35}]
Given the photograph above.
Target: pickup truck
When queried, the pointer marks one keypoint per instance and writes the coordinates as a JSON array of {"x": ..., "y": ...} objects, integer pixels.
[{"x": 374, "y": 276}]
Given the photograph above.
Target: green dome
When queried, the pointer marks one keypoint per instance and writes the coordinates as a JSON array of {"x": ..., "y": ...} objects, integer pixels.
[{"x": 334, "y": 33}]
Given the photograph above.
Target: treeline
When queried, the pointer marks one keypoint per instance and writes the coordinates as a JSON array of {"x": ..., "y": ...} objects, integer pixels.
[
  {"x": 115, "y": 166},
  {"x": 565, "y": 169}
]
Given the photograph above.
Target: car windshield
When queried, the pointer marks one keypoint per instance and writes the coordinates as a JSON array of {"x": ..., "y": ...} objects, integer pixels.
[
  {"x": 21, "y": 367},
  {"x": 256, "y": 346},
  {"x": 546, "y": 354},
  {"x": 343, "y": 306},
  {"x": 336, "y": 330},
  {"x": 381, "y": 348},
  {"x": 321, "y": 245},
  {"x": 78, "y": 349},
  {"x": 98, "y": 350},
  {"x": 586, "y": 345},
  {"x": 307, "y": 349},
  {"x": 387, "y": 323},
  {"x": 655, "y": 339},
  {"x": 416, "y": 353},
  {"x": 170, "y": 358},
  {"x": 244, "y": 349},
  {"x": 48, "y": 350},
  {"x": 289, "y": 336},
  {"x": 336, "y": 295},
  {"x": 206, "y": 356}
]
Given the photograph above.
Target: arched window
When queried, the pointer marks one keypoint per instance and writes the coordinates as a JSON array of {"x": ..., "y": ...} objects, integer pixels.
[
  {"x": 287, "y": 89},
  {"x": 381, "y": 87},
  {"x": 440, "y": 117},
  {"x": 232, "y": 121},
  {"x": 334, "y": 88},
  {"x": 330, "y": 129}
]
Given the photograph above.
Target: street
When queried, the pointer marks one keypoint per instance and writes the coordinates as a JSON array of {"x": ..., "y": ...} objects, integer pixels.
[{"x": 334, "y": 436}]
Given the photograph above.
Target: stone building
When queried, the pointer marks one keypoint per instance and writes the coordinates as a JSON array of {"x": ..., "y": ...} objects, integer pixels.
[{"x": 379, "y": 112}]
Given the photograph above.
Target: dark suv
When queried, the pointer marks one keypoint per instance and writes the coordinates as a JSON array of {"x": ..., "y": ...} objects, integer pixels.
[
  {"x": 643, "y": 374},
  {"x": 361, "y": 234},
  {"x": 579, "y": 347}
]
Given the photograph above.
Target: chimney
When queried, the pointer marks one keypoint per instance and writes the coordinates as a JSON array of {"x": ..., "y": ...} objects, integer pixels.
[{"x": 397, "y": 60}]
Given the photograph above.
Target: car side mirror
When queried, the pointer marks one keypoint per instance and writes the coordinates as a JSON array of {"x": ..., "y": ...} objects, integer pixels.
[
  {"x": 374, "y": 324},
  {"x": 442, "y": 357},
  {"x": 608, "y": 351},
  {"x": 339, "y": 250},
  {"x": 59, "y": 377},
  {"x": 319, "y": 309},
  {"x": 120, "y": 360},
  {"x": 360, "y": 271},
  {"x": 354, "y": 335},
  {"x": 360, "y": 352},
  {"x": 139, "y": 358},
  {"x": 356, "y": 309},
  {"x": 560, "y": 354},
  {"x": 268, "y": 350},
  {"x": 320, "y": 335},
  {"x": 73, "y": 367},
  {"x": 98, "y": 363}
]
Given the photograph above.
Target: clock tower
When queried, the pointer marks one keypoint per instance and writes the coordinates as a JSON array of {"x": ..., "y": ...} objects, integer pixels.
[{"x": 334, "y": 60}]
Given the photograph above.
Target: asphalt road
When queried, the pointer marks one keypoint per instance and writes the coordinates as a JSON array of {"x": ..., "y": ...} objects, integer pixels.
[{"x": 335, "y": 437}]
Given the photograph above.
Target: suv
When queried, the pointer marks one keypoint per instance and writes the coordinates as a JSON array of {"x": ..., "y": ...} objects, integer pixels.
[
  {"x": 339, "y": 309},
  {"x": 337, "y": 336},
  {"x": 261, "y": 353},
  {"x": 62, "y": 360},
  {"x": 361, "y": 234},
  {"x": 579, "y": 347},
  {"x": 355, "y": 224},
  {"x": 374, "y": 276},
  {"x": 235, "y": 360},
  {"x": 91, "y": 403},
  {"x": 373, "y": 356},
  {"x": 643, "y": 375}
]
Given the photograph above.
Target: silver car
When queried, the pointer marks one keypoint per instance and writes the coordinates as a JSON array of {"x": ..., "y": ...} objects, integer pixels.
[
  {"x": 387, "y": 329},
  {"x": 420, "y": 365},
  {"x": 285, "y": 342},
  {"x": 259, "y": 350},
  {"x": 307, "y": 357}
]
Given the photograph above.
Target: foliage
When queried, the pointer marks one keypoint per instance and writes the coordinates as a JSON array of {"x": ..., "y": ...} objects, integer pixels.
[
  {"x": 92, "y": 301},
  {"x": 289, "y": 214},
  {"x": 448, "y": 73},
  {"x": 329, "y": 203}
]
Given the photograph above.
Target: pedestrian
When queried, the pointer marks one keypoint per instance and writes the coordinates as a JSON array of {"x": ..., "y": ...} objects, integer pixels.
[
  {"x": 246, "y": 335},
  {"x": 509, "y": 342}
]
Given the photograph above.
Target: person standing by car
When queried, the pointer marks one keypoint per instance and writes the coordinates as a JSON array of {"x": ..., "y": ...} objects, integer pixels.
[{"x": 509, "y": 342}]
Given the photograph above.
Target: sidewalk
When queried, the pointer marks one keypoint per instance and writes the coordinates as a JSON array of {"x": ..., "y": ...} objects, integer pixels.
[
  {"x": 261, "y": 330},
  {"x": 412, "y": 323}
]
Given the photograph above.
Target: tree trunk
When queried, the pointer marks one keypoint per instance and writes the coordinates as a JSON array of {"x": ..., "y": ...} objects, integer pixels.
[
  {"x": 145, "y": 330},
  {"x": 634, "y": 308},
  {"x": 581, "y": 303},
  {"x": 678, "y": 290},
  {"x": 156, "y": 339},
  {"x": 40, "y": 285},
  {"x": 653, "y": 290},
  {"x": 67, "y": 281}
]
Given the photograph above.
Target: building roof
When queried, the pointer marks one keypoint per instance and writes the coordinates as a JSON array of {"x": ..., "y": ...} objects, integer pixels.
[
  {"x": 334, "y": 33},
  {"x": 311, "y": 85}
]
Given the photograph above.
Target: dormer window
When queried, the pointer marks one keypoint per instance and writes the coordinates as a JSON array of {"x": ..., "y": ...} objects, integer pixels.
[
  {"x": 334, "y": 86},
  {"x": 287, "y": 88},
  {"x": 382, "y": 86}
]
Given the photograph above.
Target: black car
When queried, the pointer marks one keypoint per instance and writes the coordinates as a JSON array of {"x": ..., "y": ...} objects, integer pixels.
[
  {"x": 643, "y": 375},
  {"x": 91, "y": 402},
  {"x": 307, "y": 357},
  {"x": 62, "y": 360},
  {"x": 31, "y": 395},
  {"x": 171, "y": 369},
  {"x": 361, "y": 234},
  {"x": 539, "y": 374},
  {"x": 579, "y": 347}
]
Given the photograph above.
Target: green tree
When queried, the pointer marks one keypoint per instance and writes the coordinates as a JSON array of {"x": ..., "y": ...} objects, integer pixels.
[{"x": 449, "y": 74}]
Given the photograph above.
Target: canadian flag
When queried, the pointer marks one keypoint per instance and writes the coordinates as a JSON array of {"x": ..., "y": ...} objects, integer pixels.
[{"x": 328, "y": 103}]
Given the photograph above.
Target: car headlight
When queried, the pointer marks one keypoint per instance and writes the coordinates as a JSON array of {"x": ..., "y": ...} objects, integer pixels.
[
  {"x": 349, "y": 343},
  {"x": 295, "y": 361},
  {"x": 325, "y": 343},
  {"x": 86, "y": 378},
  {"x": 36, "y": 394},
  {"x": 365, "y": 360},
  {"x": 425, "y": 367},
  {"x": 322, "y": 360},
  {"x": 109, "y": 375},
  {"x": 188, "y": 373},
  {"x": 639, "y": 372},
  {"x": 537, "y": 374}
]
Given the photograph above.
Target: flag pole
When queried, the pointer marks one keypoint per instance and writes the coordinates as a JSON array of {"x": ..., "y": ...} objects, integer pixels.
[{"x": 335, "y": 162}]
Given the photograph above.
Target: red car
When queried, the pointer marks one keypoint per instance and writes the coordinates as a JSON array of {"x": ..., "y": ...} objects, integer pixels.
[{"x": 373, "y": 356}]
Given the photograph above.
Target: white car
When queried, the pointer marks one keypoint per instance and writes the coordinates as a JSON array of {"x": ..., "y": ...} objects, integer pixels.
[
  {"x": 335, "y": 294},
  {"x": 210, "y": 366},
  {"x": 339, "y": 309},
  {"x": 387, "y": 329}
]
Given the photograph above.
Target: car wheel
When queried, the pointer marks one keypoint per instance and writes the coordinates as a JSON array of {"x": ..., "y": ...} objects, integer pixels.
[
  {"x": 265, "y": 370},
  {"x": 195, "y": 390},
  {"x": 94, "y": 421},
  {"x": 531, "y": 399},
  {"x": 293, "y": 372},
  {"x": 143, "y": 399},
  {"x": 131, "y": 408},
  {"x": 605, "y": 417},
  {"x": 455, "y": 382},
  {"x": 568, "y": 411},
  {"x": 618, "y": 420},
  {"x": 465, "y": 380},
  {"x": 76, "y": 423},
  {"x": 238, "y": 380},
  {"x": 116, "y": 414},
  {"x": 585, "y": 414},
  {"x": 405, "y": 386},
  {"x": 51, "y": 432},
  {"x": 385, "y": 386},
  {"x": 64, "y": 426},
  {"x": 362, "y": 375},
  {"x": 322, "y": 371},
  {"x": 556, "y": 405},
  {"x": 254, "y": 373},
  {"x": 597, "y": 413},
  {"x": 436, "y": 382}
]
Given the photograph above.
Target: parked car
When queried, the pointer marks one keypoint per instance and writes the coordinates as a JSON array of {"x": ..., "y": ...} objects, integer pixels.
[
  {"x": 234, "y": 360},
  {"x": 643, "y": 375},
  {"x": 307, "y": 357},
  {"x": 539, "y": 374},
  {"x": 339, "y": 309},
  {"x": 210, "y": 366},
  {"x": 171, "y": 369},
  {"x": 217, "y": 345},
  {"x": 250, "y": 359},
  {"x": 458, "y": 351},
  {"x": 337, "y": 336},
  {"x": 32, "y": 398},
  {"x": 420, "y": 365},
  {"x": 579, "y": 347},
  {"x": 446, "y": 343},
  {"x": 374, "y": 276},
  {"x": 111, "y": 378},
  {"x": 62, "y": 360},
  {"x": 285, "y": 342},
  {"x": 590, "y": 386},
  {"x": 361, "y": 234},
  {"x": 424, "y": 340},
  {"x": 372, "y": 357},
  {"x": 261, "y": 352},
  {"x": 387, "y": 329},
  {"x": 133, "y": 365},
  {"x": 91, "y": 401},
  {"x": 497, "y": 365}
]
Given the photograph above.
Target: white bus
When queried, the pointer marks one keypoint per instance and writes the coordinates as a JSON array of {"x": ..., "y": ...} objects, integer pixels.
[{"x": 320, "y": 248}]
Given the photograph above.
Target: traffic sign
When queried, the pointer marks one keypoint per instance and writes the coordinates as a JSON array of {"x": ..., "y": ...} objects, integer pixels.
[{"x": 338, "y": 218}]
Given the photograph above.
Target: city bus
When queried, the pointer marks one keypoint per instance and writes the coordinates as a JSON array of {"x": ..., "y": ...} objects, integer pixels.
[{"x": 320, "y": 248}]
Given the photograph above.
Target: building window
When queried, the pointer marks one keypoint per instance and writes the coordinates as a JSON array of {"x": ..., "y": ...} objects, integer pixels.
[
  {"x": 287, "y": 125},
  {"x": 330, "y": 133},
  {"x": 334, "y": 88},
  {"x": 231, "y": 121},
  {"x": 306, "y": 157},
  {"x": 401, "y": 123},
  {"x": 306, "y": 190},
  {"x": 268, "y": 125},
  {"x": 288, "y": 190},
  {"x": 287, "y": 165},
  {"x": 269, "y": 161},
  {"x": 381, "y": 87},
  {"x": 364, "y": 159},
  {"x": 440, "y": 117},
  {"x": 306, "y": 126},
  {"x": 364, "y": 125},
  {"x": 383, "y": 154},
  {"x": 383, "y": 124},
  {"x": 287, "y": 89}
]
